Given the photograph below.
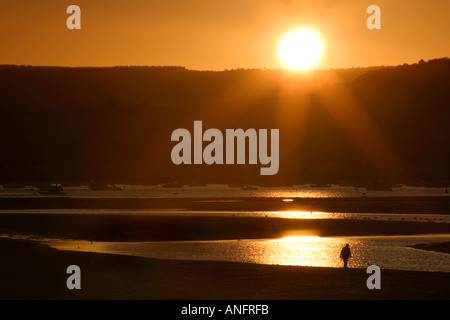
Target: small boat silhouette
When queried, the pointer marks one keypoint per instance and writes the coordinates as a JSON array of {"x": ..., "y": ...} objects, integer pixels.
[
  {"x": 52, "y": 188},
  {"x": 249, "y": 187}
]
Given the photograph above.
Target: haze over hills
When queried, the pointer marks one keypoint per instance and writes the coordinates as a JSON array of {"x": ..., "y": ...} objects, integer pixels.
[{"x": 347, "y": 126}]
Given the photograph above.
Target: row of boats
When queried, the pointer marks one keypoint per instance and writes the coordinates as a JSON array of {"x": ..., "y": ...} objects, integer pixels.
[
  {"x": 177, "y": 184},
  {"x": 57, "y": 188},
  {"x": 50, "y": 188}
]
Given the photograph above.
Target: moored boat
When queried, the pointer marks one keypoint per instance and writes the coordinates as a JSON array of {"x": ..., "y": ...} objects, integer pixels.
[{"x": 52, "y": 188}]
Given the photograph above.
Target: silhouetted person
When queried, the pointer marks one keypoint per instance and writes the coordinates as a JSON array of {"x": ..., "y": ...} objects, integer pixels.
[{"x": 345, "y": 254}]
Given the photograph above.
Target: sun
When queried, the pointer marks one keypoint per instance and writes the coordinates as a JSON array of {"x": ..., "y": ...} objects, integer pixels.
[{"x": 301, "y": 49}]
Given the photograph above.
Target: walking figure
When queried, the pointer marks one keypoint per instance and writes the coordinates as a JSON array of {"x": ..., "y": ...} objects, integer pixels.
[{"x": 345, "y": 254}]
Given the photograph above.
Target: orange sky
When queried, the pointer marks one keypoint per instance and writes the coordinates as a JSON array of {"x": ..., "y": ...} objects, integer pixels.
[{"x": 218, "y": 34}]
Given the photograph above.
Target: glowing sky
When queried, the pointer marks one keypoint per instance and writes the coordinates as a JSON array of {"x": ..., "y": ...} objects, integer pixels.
[{"x": 219, "y": 34}]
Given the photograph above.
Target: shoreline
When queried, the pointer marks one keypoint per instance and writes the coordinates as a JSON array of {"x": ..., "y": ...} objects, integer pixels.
[
  {"x": 32, "y": 271},
  {"x": 442, "y": 247}
]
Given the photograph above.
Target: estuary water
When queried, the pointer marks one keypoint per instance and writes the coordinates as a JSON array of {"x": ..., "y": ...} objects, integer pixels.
[{"x": 388, "y": 252}]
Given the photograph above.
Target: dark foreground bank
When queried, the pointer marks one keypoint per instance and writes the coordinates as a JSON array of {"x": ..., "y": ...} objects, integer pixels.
[{"x": 29, "y": 270}]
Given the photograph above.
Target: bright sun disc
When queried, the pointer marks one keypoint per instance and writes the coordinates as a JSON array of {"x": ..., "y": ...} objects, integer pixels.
[{"x": 301, "y": 49}]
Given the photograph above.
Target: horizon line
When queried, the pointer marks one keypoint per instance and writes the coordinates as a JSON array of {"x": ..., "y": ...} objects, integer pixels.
[{"x": 221, "y": 70}]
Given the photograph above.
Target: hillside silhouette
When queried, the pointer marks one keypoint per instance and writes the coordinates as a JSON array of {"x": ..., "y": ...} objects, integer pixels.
[{"x": 347, "y": 126}]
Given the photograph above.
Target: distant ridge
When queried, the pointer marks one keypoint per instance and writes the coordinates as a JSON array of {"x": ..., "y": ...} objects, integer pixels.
[{"x": 113, "y": 124}]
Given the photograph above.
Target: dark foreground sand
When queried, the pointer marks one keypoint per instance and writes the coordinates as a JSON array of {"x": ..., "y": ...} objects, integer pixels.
[{"x": 29, "y": 270}]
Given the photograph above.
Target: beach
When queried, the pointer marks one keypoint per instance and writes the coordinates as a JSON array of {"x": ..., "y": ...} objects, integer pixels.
[{"x": 31, "y": 270}]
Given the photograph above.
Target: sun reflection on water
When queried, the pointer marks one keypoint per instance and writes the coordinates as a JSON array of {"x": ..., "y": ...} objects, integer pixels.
[
  {"x": 294, "y": 249},
  {"x": 305, "y": 251},
  {"x": 298, "y": 239},
  {"x": 296, "y": 214}
]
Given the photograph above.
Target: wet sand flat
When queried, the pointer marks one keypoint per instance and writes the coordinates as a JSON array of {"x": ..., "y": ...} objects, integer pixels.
[
  {"x": 423, "y": 205},
  {"x": 165, "y": 228},
  {"x": 179, "y": 228}
]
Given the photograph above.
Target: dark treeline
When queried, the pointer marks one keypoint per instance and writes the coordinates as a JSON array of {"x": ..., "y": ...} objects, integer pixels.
[{"x": 349, "y": 126}]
